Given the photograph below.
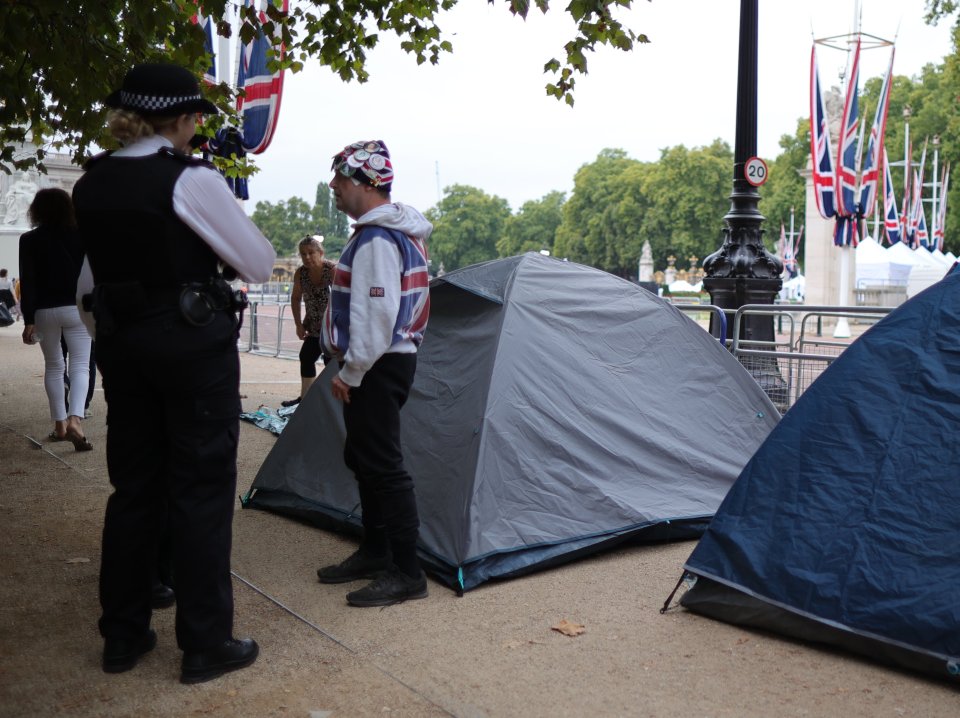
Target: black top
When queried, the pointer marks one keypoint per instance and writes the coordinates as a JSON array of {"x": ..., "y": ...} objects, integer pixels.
[{"x": 50, "y": 261}]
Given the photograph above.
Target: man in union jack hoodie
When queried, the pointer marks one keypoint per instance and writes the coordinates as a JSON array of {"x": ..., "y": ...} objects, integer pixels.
[{"x": 375, "y": 319}]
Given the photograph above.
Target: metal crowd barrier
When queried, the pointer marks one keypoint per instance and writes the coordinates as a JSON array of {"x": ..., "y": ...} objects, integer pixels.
[
  {"x": 784, "y": 368},
  {"x": 799, "y": 353},
  {"x": 268, "y": 330}
]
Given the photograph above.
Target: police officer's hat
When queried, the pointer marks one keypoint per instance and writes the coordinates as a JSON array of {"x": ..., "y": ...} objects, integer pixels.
[{"x": 160, "y": 89}]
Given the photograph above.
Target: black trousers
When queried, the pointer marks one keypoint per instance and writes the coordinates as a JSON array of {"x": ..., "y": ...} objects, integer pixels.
[
  {"x": 372, "y": 449},
  {"x": 173, "y": 407},
  {"x": 309, "y": 353}
]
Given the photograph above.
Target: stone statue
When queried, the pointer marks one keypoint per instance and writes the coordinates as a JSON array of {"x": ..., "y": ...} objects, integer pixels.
[
  {"x": 833, "y": 106},
  {"x": 645, "y": 268},
  {"x": 16, "y": 202},
  {"x": 670, "y": 274}
]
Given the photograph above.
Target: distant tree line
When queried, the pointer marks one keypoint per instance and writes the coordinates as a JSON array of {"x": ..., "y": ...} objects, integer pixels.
[{"x": 285, "y": 223}]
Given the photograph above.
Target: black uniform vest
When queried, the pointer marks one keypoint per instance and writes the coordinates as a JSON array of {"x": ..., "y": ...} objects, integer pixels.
[{"x": 124, "y": 208}]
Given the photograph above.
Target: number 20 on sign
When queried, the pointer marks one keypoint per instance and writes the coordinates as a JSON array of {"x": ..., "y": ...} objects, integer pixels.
[{"x": 755, "y": 171}]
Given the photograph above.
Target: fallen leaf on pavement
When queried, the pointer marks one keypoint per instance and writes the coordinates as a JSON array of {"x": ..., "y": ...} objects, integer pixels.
[{"x": 567, "y": 628}]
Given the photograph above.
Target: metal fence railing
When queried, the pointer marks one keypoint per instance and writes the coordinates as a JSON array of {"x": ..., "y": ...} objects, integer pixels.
[
  {"x": 785, "y": 367},
  {"x": 268, "y": 329}
]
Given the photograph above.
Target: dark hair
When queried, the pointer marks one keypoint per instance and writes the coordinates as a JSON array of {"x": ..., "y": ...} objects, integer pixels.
[
  {"x": 3, "y": 272},
  {"x": 52, "y": 207}
]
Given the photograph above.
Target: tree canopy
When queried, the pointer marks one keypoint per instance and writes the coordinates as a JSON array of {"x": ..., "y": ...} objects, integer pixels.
[
  {"x": 53, "y": 89},
  {"x": 677, "y": 203},
  {"x": 467, "y": 223},
  {"x": 534, "y": 227}
]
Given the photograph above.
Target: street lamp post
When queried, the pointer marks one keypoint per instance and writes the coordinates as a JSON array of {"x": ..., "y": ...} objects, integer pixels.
[{"x": 742, "y": 271}]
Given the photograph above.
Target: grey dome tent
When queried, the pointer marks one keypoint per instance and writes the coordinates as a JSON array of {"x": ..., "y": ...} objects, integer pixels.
[{"x": 556, "y": 410}]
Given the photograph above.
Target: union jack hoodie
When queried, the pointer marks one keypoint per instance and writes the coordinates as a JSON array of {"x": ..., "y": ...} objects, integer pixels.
[{"x": 380, "y": 297}]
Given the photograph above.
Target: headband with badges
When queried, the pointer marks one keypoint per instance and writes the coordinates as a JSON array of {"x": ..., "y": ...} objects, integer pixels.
[{"x": 367, "y": 162}]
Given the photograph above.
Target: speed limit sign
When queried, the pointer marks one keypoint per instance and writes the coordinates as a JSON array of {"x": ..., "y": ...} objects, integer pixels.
[{"x": 755, "y": 171}]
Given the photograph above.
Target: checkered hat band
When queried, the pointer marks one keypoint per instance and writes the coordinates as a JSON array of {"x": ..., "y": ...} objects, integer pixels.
[{"x": 152, "y": 102}]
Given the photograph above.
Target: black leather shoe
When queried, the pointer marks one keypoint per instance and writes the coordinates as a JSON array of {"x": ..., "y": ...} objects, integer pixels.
[
  {"x": 162, "y": 596},
  {"x": 120, "y": 655},
  {"x": 230, "y": 655}
]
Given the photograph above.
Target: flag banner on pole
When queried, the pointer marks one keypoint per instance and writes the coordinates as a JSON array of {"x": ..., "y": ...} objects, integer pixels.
[
  {"x": 849, "y": 140},
  {"x": 824, "y": 180},
  {"x": 789, "y": 260},
  {"x": 263, "y": 90},
  {"x": 915, "y": 210},
  {"x": 796, "y": 246},
  {"x": 227, "y": 143},
  {"x": 846, "y": 232},
  {"x": 206, "y": 22},
  {"x": 219, "y": 145},
  {"x": 905, "y": 214},
  {"x": 224, "y": 143},
  {"x": 923, "y": 239},
  {"x": 871, "y": 167},
  {"x": 787, "y": 253},
  {"x": 891, "y": 219},
  {"x": 917, "y": 198},
  {"x": 942, "y": 209}
]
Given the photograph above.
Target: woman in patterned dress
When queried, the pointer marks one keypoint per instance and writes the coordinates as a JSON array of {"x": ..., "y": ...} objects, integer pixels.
[{"x": 311, "y": 286}]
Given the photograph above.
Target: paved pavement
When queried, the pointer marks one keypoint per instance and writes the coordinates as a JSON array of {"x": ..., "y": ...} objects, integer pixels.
[{"x": 489, "y": 653}]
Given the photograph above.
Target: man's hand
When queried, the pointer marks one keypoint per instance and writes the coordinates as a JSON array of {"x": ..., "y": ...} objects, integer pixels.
[
  {"x": 301, "y": 332},
  {"x": 341, "y": 390}
]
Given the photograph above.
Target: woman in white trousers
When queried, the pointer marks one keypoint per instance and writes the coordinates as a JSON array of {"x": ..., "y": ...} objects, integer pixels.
[
  {"x": 50, "y": 259},
  {"x": 49, "y": 324}
]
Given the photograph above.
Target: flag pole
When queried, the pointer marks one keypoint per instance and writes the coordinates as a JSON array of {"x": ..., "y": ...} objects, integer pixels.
[{"x": 842, "y": 328}]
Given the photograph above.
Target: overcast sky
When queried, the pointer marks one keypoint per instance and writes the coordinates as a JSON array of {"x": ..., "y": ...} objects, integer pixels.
[{"x": 481, "y": 117}]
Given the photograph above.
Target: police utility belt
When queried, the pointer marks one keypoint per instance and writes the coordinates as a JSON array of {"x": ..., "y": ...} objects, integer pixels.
[{"x": 115, "y": 304}]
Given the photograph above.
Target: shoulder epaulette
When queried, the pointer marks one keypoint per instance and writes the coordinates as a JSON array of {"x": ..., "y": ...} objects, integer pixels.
[
  {"x": 185, "y": 158},
  {"x": 96, "y": 158}
]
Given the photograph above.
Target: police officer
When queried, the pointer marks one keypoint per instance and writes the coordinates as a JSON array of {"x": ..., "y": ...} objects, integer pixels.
[{"x": 158, "y": 228}]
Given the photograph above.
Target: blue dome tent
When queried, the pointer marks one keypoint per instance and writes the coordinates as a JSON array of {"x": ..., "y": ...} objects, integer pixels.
[{"x": 843, "y": 528}]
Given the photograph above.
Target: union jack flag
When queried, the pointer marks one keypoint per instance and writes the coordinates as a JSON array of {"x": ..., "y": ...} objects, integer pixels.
[
  {"x": 871, "y": 168},
  {"x": 260, "y": 103},
  {"x": 917, "y": 199},
  {"x": 824, "y": 179},
  {"x": 941, "y": 221},
  {"x": 206, "y": 22},
  {"x": 922, "y": 237},
  {"x": 847, "y": 154},
  {"x": 891, "y": 221},
  {"x": 913, "y": 222}
]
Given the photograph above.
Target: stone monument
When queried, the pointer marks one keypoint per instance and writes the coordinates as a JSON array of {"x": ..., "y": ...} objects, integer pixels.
[
  {"x": 670, "y": 274},
  {"x": 821, "y": 259},
  {"x": 645, "y": 267}
]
